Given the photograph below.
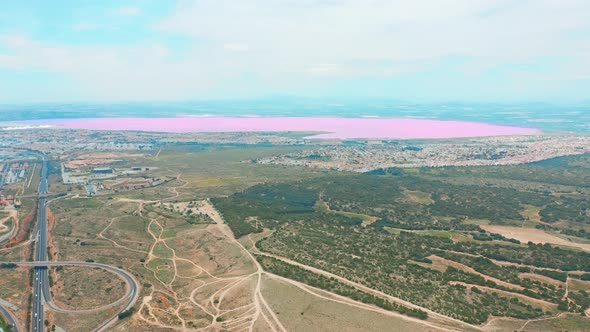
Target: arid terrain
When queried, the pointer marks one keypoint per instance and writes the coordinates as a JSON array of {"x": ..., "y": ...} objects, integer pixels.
[{"x": 224, "y": 244}]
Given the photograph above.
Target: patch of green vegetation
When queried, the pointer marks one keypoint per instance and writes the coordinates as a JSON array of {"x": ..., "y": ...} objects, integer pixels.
[
  {"x": 532, "y": 288},
  {"x": 384, "y": 257},
  {"x": 162, "y": 251},
  {"x": 384, "y": 262},
  {"x": 4, "y": 326},
  {"x": 163, "y": 269},
  {"x": 214, "y": 170},
  {"x": 199, "y": 218},
  {"x": 126, "y": 313},
  {"x": 79, "y": 203},
  {"x": 566, "y": 208}
]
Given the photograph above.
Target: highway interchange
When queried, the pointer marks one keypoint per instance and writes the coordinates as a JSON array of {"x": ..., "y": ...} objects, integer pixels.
[{"x": 41, "y": 287}]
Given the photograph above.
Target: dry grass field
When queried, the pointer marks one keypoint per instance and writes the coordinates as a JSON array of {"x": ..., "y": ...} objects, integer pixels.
[
  {"x": 525, "y": 235},
  {"x": 15, "y": 289},
  {"x": 84, "y": 288},
  {"x": 192, "y": 276},
  {"x": 300, "y": 310}
]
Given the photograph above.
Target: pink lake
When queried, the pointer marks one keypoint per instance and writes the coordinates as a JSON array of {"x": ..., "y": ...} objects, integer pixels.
[{"x": 334, "y": 127}]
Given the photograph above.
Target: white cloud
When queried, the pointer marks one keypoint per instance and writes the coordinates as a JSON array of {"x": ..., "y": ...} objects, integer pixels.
[
  {"x": 131, "y": 72},
  {"x": 286, "y": 44},
  {"x": 301, "y": 33},
  {"x": 416, "y": 34}
]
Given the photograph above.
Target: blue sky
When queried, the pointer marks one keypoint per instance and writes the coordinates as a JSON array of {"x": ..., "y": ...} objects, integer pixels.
[{"x": 471, "y": 50}]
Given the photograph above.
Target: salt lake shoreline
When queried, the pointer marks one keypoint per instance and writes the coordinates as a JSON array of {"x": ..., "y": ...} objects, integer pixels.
[{"x": 328, "y": 127}]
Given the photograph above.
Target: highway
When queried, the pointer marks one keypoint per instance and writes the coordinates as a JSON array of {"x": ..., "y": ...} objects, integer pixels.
[
  {"x": 40, "y": 278},
  {"x": 41, "y": 288},
  {"x": 132, "y": 285}
]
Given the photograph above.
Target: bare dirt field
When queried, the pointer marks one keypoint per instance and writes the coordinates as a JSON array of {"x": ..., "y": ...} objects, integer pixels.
[
  {"x": 534, "y": 235},
  {"x": 110, "y": 155},
  {"x": 418, "y": 197},
  {"x": 577, "y": 285},
  {"x": 192, "y": 276}
]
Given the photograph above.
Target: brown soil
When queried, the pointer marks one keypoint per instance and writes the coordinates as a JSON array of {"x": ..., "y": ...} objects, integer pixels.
[
  {"x": 533, "y": 235},
  {"x": 20, "y": 235}
]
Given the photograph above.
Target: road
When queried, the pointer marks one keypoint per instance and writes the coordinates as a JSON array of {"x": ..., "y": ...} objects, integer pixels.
[
  {"x": 132, "y": 292},
  {"x": 41, "y": 278},
  {"x": 9, "y": 318},
  {"x": 4, "y": 170}
]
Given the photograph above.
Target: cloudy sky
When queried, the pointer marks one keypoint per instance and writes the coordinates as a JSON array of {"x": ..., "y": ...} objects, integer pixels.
[{"x": 117, "y": 50}]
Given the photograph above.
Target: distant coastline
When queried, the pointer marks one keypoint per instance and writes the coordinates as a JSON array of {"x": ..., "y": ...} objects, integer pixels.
[
  {"x": 333, "y": 127},
  {"x": 555, "y": 118}
]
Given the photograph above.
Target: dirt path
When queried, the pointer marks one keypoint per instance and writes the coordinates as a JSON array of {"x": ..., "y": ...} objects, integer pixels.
[
  {"x": 133, "y": 200},
  {"x": 235, "y": 319},
  {"x": 468, "y": 269},
  {"x": 488, "y": 327},
  {"x": 367, "y": 220},
  {"x": 543, "y": 303},
  {"x": 368, "y": 290},
  {"x": 32, "y": 176},
  {"x": 174, "y": 190},
  {"x": 538, "y": 320},
  {"x": 11, "y": 214},
  {"x": 506, "y": 263},
  {"x": 156, "y": 230},
  {"x": 347, "y": 301},
  {"x": 259, "y": 300},
  {"x": 113, "y": 242},
  {"x": 23, "y": 244}
]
